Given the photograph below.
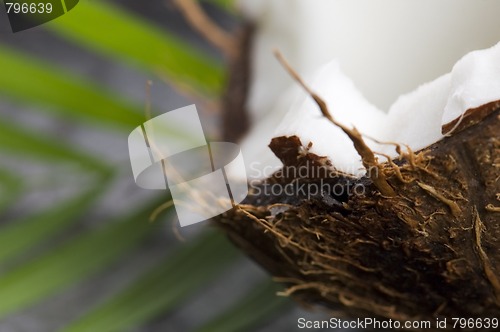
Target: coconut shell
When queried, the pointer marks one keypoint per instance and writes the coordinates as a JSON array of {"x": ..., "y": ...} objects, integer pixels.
[{"x": 430, "y": 251}]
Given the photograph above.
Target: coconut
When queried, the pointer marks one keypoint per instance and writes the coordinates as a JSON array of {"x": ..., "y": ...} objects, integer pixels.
[
  {"x": 370, "y": 213},
  {"x": 380, "y": 50}
]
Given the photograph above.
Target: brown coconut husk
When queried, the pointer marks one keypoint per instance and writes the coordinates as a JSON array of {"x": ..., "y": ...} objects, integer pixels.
[
  {"x": 415, "y": 239},
  {"x": 430, "y": 251},
  {"x": 428, "y": 247}
]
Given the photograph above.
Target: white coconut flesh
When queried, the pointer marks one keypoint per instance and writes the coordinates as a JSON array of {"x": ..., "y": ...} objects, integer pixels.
[{"x": 370, "y": 61}]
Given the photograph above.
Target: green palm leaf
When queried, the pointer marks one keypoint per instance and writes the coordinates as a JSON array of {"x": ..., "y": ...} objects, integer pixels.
[
  {"x": 123, "y": 36},
  {"x": 29, "y": 277},
  {"x": 162, "y": 288},
  {"x": 11, "y": 187},
  {"x": 18, "y": 236},
  {"x": 30, "y": 81},
  {"x": 72, "y": 261},
  {"x": 20, "y": 141}
]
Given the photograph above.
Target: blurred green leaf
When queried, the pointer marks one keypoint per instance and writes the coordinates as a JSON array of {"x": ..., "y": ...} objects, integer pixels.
[
  {"x": 19, "y": 236},
  {"x": 163, "y": 288},
  {"x": 110, "y": 29},
  {"x": 20, "y": 141},
  {"x": 125, "y": 37},
  {"x": 257, "y": 306},
  {"x": 71, "y": 262},
  {"x": 32, "y": 81},
  {"x": 11, "y": 187}
]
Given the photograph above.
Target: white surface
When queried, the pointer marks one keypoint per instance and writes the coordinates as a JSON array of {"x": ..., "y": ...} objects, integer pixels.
[{"x": 385, "y": 48}]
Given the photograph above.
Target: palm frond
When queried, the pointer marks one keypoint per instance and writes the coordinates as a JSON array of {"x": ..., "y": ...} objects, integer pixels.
[{"x": 44, "y": 252}]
